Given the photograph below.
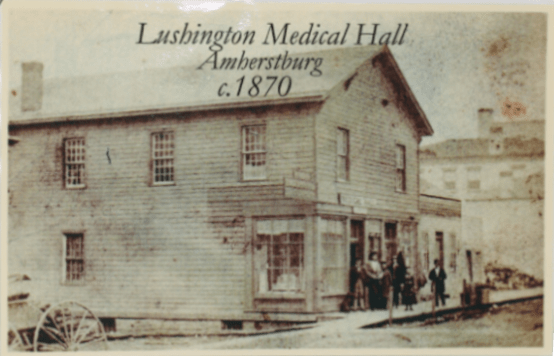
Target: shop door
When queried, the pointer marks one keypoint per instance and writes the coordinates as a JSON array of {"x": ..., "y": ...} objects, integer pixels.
[
  {"x": 469, "y": 265},
  {"x": 356, "y": 241},
  {"x": 391, "y": 242},
  {"x": 440, "y": 247}
]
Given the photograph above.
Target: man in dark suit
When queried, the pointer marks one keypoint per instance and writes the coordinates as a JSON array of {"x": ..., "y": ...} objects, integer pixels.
[{"x": 437, "y": 277}]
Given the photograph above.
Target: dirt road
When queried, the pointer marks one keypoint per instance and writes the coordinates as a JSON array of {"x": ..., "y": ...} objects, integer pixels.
[{"x": 511, "y": 325}]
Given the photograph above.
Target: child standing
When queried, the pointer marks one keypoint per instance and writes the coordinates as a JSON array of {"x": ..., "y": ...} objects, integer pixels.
[{"x": 357, "y": 286}]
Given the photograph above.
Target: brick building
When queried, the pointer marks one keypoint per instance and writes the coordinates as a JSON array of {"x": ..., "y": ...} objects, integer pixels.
[
  {"x": 499, "y": 177},
  {"x": 136, "y": 196}
]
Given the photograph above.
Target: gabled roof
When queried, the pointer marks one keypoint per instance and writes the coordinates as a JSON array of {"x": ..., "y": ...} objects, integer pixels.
[{"x": 179, "y": 89}]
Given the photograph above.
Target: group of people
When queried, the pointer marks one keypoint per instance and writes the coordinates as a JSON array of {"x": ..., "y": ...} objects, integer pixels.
[{"x": 372, "y": 283}]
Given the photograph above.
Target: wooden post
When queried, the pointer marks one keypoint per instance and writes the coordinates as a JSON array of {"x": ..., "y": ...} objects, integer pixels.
[{"x": 389, "y": 303}]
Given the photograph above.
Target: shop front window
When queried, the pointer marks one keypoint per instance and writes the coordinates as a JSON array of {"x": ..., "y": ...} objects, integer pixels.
[{"x": 279, "y": 255}]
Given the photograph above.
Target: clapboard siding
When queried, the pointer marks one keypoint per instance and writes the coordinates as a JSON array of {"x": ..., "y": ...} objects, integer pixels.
[
  {"x": 149, "y": 249},
  {"x": 374, "y": 131}
]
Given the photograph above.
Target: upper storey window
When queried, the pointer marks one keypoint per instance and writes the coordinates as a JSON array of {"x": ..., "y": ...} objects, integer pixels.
[
  {"x": 254, "y": 152},
  {"x": 342, "y": 154},
  {"x": 163, "y": 148},
  {"x": 74, "y": 162},
  {"x": 400, "y": 168},
  {"x": 74, "y": 258}
]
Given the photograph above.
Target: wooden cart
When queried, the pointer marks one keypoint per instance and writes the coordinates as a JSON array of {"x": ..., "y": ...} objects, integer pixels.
[{"x": 67, "y": 326}]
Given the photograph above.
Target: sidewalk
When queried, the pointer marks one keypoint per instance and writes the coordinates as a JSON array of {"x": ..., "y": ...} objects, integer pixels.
[
  {"x": 358, "y": 319},
  {"x": 342, "y": 323}
]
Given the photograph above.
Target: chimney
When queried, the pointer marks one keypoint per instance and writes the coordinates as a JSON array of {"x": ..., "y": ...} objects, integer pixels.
[
  {"x": 485, "y": 121},
  {"x": 31, "y": 86}
]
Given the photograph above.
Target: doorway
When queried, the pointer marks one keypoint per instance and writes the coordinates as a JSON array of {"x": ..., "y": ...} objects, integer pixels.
[
  {"x": 356, "y": 241},
  {"x": 391, "y": 242},
  {"x": 439, "y": 236},
  {"x": 469, "y": 265}
]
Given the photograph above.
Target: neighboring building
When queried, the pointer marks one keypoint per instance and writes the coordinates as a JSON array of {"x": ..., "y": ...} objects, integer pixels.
[
  {"x": 440, "y": 237},
  {"x": 137, "y": 197},
  {"x": 500, "y": 179}
]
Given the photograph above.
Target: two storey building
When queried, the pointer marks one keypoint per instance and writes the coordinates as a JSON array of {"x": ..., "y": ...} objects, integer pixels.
[{"x": 138, "y": 195}]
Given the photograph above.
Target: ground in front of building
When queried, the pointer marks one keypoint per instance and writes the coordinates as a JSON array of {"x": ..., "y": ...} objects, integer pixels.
[{"x": 519, "y": 325}]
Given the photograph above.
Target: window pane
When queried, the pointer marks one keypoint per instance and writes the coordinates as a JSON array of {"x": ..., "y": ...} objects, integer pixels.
[
  {"x": 285, "y": 279},
  {"x": 280, "y": 239},
  {"x": 263, "y": 239},
  {"x": 254, "y": 152},
  {"x": 296, "y": 253},
  {"x": 278, "y": 255},
  {"x": 341, "y": 167},
  {"x": 400, "y": 180},
  {"x": 74, "y": 254},
  {"x": 342, "y": 154},
  {"x": 400, "y": 156},
  {"x": 74, "y": 162},
  {"x": 162, "y": 152},
  {"x": 342, "y": 142},
  {"x": 296, "y": 238}
]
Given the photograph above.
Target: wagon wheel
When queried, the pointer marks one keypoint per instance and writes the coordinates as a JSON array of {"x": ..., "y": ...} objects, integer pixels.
[
  {"x": 69, "y": 326},
  {"x": 15, "y": 341}
]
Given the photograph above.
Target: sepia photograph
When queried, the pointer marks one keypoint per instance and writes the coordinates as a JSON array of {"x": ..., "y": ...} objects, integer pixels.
[{"x": 211, "y": 176}]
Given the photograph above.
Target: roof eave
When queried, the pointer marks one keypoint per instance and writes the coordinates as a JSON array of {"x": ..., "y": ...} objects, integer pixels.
[
  {"x": 425, "y": 128},
  {"x": 309, "y": 98}
]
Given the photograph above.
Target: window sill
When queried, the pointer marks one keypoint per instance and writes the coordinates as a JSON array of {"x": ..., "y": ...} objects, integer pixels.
[
  {"x": 334, "y": 295},
  {"x": 401, "y": 191},
  {"x": 280, "y": 295},
  {"x": 73, "y": 284},
  {"x": 162, "y": 184},
  {"x": 75, "y": 187},
  {"x": 245, "y": 180}
]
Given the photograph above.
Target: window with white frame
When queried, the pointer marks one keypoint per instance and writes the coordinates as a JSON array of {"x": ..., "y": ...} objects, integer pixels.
[
  {"x": 474, "y": 178},
  {"x": 254, "y": 152},
  {"x": 342, "y": 154},
  {"x": 279, "y": 255},
  {"x": 163, "y": 150},
  {"x": 400, "y": 168},
  {"x": 74, "y": 157},
  {"x": 334, "y": 256},
  {"x": 74, "y": 257}
]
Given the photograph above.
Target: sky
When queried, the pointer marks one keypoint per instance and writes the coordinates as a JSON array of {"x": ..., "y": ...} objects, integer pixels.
[{"x": 455, "y": 63}]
